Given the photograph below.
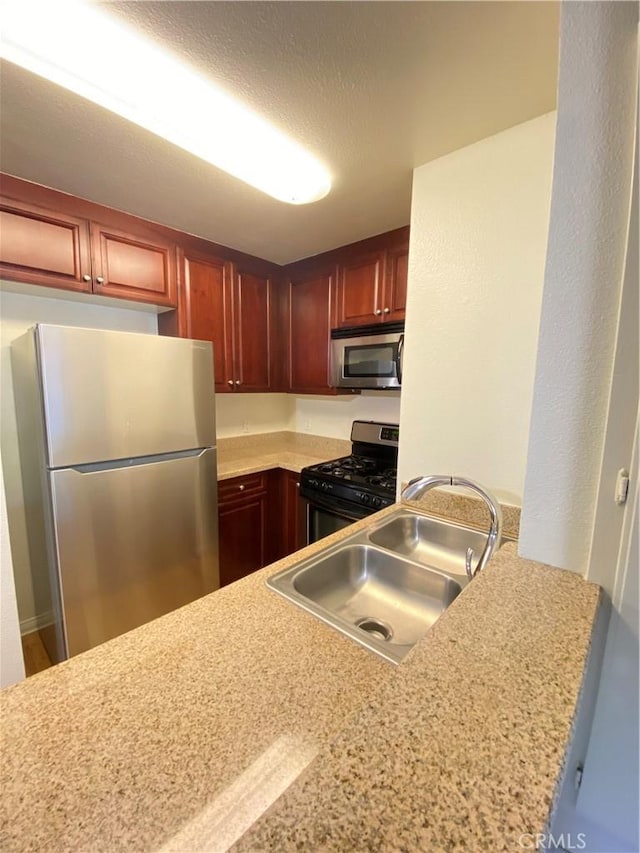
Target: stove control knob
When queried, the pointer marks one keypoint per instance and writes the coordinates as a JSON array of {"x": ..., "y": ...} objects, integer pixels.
[
  {"x": 366, "y": 499},
  {"x": 377, "y": 501}
]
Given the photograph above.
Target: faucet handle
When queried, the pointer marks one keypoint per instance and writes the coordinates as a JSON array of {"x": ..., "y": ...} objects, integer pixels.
[{"x": 467, "y": 563}]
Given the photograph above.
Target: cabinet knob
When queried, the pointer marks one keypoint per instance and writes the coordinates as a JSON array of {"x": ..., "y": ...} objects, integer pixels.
[
  {"x": 100, "y": 279},
  {"x": 378, "y": 311},
  {"x": 237, "y": 381},
  {"x": 241, "y": 487},
  {"x": 387, "y": 310},
  {"x": 297, "y": 485},
  {"x": 86, "y": 277},
  {"x": 229, "y": 381}
]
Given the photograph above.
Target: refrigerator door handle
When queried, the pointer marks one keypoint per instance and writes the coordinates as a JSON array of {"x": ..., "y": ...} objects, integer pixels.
[{"x": 134, "y": 461}]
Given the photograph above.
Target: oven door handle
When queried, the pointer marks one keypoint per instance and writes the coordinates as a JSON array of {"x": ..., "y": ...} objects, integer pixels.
[
  {"x": 399, "y": 357},
  {"x": 335, "y": 506}
]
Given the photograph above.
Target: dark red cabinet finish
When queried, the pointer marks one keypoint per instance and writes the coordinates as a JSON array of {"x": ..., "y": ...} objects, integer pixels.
[
  {"x": 310, "y": 319},
  {"x": 38, "y": 246},
  {"x": 261, "y": 518},
  {"x": 294, "y": 514},
  {"x": 55, "y": 248},
  {"x": 233, "y": 308},
  {"x": 372, "y": 286}
]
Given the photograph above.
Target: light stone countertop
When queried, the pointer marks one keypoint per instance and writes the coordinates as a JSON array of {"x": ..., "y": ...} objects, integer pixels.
[
  {"x": 241, "y": 720},
  {"x": 292, "y": 451}
]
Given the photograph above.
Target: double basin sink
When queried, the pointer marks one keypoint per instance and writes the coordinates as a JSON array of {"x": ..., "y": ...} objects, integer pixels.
[{"x": 385, "y": 586}]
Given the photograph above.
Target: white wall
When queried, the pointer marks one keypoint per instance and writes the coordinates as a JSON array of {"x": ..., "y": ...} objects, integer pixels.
[
  {"x": 17, "y": 313},
  {"x": 330, "y": 416},
  {"x": 587, "y": 241},
  {"x": 249, "y": 413},
  {"x": 479, "y": 222},
  {"x": 11, "y": 660},
  {"x": 333, "y": 416}
]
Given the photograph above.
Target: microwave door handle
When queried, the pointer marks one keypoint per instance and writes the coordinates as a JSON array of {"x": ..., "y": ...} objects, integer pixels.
[{"x": 399, "y": 358}]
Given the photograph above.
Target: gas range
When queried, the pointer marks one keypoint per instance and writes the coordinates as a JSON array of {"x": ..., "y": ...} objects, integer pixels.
[{"x": 365, "y": 481}]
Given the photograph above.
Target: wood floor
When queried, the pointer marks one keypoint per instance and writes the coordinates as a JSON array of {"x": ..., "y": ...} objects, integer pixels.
[{"x": 35, "y": 655}]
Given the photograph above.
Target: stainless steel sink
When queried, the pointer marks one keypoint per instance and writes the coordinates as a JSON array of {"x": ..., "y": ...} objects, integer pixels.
[
  {"x": 384, "y": 601},
  {"x": 430, "y": 541}
]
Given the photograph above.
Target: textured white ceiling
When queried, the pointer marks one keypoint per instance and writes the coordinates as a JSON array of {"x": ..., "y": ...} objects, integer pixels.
[{"x": 372, "y": 88}]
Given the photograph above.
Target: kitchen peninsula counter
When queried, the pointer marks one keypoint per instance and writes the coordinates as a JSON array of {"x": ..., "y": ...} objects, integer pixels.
[{"x": 240, "y": 720}]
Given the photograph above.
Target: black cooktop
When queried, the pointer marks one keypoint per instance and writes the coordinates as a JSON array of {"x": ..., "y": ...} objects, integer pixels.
[{"x": 360, "y": 471}]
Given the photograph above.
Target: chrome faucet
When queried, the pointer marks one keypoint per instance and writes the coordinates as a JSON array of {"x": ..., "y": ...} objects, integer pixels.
[{"x": 419, "y": 485}]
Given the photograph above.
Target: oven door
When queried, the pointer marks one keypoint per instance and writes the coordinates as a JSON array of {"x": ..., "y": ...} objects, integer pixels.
[{"x": 326, "y": 517}]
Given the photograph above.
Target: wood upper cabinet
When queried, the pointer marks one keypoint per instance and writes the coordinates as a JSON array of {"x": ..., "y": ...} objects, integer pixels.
[
  {"x": 38, "y": 246},
  {"x": 207, "y": 311},
  {"x": 395, "y": 284},
  {"x": 360, "y": 286},
  {"x": 252, "y": 305},
  {"x": 231, "y": 307},
  {"x": 372, "y": 286},
  {"x": 310, "y": 308},
  {"x": 55, "y": 249},
  {"x": 129, "y": 266}
]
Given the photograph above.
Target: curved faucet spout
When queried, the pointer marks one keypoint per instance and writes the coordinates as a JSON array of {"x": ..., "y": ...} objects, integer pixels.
[{"x": 419, "y": 485}]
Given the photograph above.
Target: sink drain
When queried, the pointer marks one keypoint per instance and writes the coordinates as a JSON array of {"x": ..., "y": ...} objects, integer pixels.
[{"x": 375, "y": 627}]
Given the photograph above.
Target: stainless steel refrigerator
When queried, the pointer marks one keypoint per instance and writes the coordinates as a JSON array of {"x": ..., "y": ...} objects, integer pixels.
[{"x": 118, "y": 458}]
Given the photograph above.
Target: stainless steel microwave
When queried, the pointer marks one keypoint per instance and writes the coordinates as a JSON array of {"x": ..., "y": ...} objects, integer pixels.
[{"x": 367, "y": 357}]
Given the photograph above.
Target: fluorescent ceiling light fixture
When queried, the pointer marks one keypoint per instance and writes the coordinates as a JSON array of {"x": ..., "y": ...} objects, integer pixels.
[{"x": 89, "y": 52}]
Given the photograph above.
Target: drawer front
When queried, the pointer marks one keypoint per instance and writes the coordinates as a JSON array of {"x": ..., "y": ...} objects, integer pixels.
[{"x": 240, "y": 487}]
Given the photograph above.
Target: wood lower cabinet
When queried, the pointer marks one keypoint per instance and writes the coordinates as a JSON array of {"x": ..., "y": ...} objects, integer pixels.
[
  {"x": 54, "y": 249},
  {"x": 242, "y": 538},
  {"x": 261, "y": 518},
  {"x": 242, "y": 526},
  {"x": 294, "y": 514}
]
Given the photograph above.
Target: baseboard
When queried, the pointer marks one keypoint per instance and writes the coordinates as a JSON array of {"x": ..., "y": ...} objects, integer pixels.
[{"x": 34, "y": 623}]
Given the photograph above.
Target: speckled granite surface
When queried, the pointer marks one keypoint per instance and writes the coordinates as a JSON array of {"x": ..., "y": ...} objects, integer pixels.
[
  {"x": 462, "y": 748},
  {"x": 263, "y": 451},
  {"x": 184, "y": 734},
  {"x": 467, "y": 510}
]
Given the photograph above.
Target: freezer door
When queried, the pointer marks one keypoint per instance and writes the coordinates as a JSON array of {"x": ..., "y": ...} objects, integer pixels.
[
  {"x": 133, "y": 542},
  {"x": 114, "y": 395}
]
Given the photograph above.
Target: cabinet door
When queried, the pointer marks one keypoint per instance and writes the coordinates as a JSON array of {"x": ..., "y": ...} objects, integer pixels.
[
  {"x": 39, "y": 246},
  {"x": 310, "y": 321},
  {"x": 360, "y": 290},
  {"x": 294, "y": 534},
  {"x": 241, "y": 527},
  {"x": 395, "y": 285},
  {"x": 208, "y": 309},
  {"x": 131, "y": 267},
  {"x": 243, "y": 523},
  {"x": 252, "y": 322}
]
